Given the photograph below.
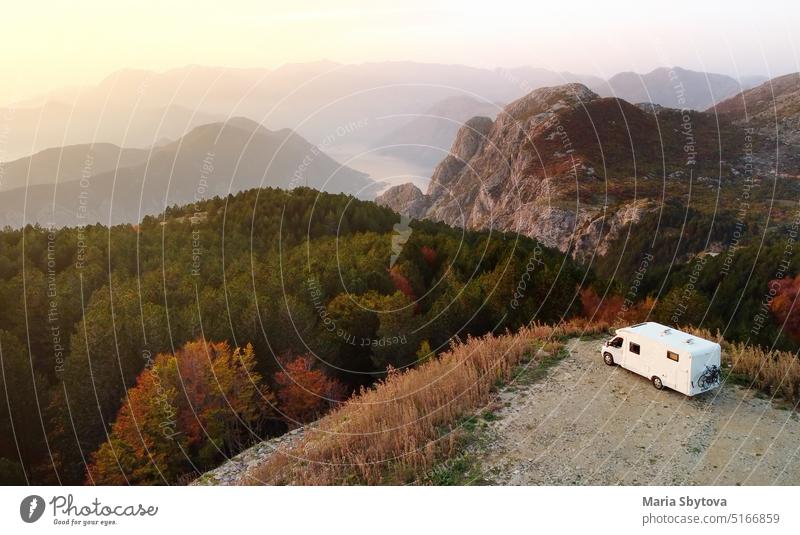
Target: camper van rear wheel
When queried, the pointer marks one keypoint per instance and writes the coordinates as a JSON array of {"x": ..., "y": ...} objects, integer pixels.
[
  {"x": 608, "y": 359},
  {"x": 657, "y": 383}
]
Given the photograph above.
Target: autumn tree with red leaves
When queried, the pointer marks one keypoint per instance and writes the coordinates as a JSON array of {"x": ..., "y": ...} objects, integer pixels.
[
  {"x": 783, "y": 305},
  {"x": 402, "y": 283},
  {"x": 188, "y": 410},
  {"x": 429, "y": 255},
  {"x": 305, "y": 392}
]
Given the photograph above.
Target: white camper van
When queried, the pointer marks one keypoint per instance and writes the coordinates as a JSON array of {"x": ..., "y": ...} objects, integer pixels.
[{"x": 666, "y": 356}]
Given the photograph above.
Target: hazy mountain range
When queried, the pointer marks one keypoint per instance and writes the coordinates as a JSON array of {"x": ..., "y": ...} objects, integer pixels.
[
  {"x": 355, "y": 104},
  {"x": 141, "y": 138},
  {"x": 64, "y": 164},
  {"x": 211, "y": 160},
  {"x": 675, "y": 87},
  {"x": 427, "y": 137}
]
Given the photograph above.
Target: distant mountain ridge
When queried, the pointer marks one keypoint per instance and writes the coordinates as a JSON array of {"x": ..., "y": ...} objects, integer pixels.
[
  {"x": 136, "y": 108},
  {"x": 426, "y": 138},
  {"x": 93, "y": 121},
  {"x": 316, "y": 99},
  {"x": 674, "y": 87},
  {"x": 211, "y": 160},
  {"x": 64, "y": 164}
]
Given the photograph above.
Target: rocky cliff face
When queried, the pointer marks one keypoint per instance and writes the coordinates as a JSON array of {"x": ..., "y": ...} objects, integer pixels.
[
  {"x": 574, "y": 170},
  {"x": 772, "y": 108},
  {"x": 519, "y": 173},
  {"x": 406, "y": 199}
]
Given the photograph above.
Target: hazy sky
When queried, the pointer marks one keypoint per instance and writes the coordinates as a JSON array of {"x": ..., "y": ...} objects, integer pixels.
[{"x": 51, "y": 44}]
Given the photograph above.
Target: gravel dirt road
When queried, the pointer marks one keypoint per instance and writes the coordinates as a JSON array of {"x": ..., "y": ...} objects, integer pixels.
[{"x": 588, "y": 423}]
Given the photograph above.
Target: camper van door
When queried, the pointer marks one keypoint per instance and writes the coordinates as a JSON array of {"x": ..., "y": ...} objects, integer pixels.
[{"x": 634, "y": 360}]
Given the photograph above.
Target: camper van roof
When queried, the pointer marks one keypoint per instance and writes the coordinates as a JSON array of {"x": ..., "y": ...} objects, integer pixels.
[{"x": 670, "y": 336}]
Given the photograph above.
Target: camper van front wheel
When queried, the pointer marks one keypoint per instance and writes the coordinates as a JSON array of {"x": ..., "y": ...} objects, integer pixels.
[
  {"x": 657, "y": 383},
  {"x": 608, "y": 359}
]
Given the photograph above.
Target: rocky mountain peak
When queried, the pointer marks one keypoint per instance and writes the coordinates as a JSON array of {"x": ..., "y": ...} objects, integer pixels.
[
  {"x": 406, "y": 199},
  {"x": 548, "y": 100}
]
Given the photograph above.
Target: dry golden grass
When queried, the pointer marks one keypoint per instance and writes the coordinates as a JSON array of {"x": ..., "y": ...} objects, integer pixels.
[
  {"x": 395, "y": 432},
  {"x": 775, "y": 372}
]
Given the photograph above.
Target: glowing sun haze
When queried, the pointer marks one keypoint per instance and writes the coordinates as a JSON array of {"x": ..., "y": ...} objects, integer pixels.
[{"x": 51, "y": 44}]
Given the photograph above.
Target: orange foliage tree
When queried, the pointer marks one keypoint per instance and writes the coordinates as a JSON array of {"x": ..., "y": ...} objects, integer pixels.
[
  {"x": 599, "y": 309},
  {"x": 637, "y": 312},
  {"x": 304, "y": 392},
  {"x": 614, "y": 309},
  {"x": 782, "y": 305},
  {"x": 188, "y": 410}
]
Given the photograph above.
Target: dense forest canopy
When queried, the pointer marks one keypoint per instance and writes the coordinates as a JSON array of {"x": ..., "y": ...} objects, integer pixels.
[{"x": 311, "y": 295}]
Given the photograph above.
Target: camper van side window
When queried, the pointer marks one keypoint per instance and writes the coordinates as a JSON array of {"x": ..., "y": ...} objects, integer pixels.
[
  {"x": 672, "y": 356},
  {"x": 634, "y": 348}
]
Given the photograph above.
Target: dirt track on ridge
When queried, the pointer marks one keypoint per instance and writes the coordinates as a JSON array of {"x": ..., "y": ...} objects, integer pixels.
[{"x": 586, "y": 423}]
